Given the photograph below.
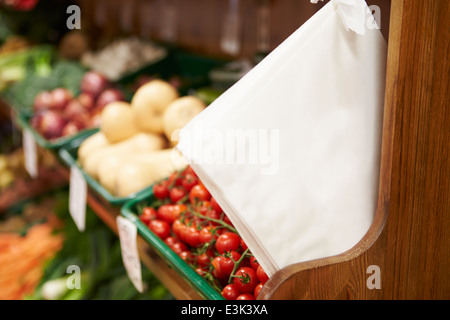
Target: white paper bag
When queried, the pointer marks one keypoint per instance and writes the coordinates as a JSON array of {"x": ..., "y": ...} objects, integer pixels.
[{"x": 291, "y": 152}]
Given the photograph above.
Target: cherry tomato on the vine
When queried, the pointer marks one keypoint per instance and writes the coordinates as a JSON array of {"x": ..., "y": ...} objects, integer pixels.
[
  {"x": 189, "y": 170},
  {"x": 170, "y": 241},
  {"x": 189, "y": 181},
  {"x": 203, "y": 260},
  {"x": 228, "y": 241},
  {"x": 203, "y": 207},
  {"x": 175, "y": 179},
  {"x": 258, "y": 289},
  {"x": 148, "y": 214},
  {"x": 161, "y": 190},
  {"x": 246, "y": 280},
  {"x": 160, "y": 227},
  {"x": 179, "y": 247},
  {"x": 187, "y": 256},
  {"x": 217, "y": 271},
  {"x": 177, "y": 228},
  {"x": 199, "y": 193},
  {"x": 243, "y": 245},
  {"x": 228, "y": 261},
  {"x": 246, "y": 296},
  {"x": 177, "y": 193},
  {"x": 261, "y": 274},
  {"x": 227, "y": 220},
  {"x": 176, "y": 245},
  {"x": 210, "y": 247},
  {"x": 200, "y": 271},
  {"x": 216, "y": 206},
  {"x": 170, "y": 212},
  {"x": 208, "y": 234},
  {"x": 193, "y": 236},
  {"x": 254, "y": 263},
  {"x": 230, "y": 292}
]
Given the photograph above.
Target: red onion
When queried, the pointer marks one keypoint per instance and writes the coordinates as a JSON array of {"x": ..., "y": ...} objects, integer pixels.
[
  {"x": 73, "y": 108},
  {"x": 86, "y": 100},
  {"x": 43, "y": 100},
  {"x": 94, "y": 83},
  {"x": 70, "y": 128},
  {"x": 60, "y": 98},
  {"x": 51, "y": 125},
  {"x": 108, "y": 96}
]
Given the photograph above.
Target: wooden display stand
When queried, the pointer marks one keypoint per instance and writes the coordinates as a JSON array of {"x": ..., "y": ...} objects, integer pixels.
[
  {"x": 407, "y": 248},
  {"x": 406, "y": 252}
]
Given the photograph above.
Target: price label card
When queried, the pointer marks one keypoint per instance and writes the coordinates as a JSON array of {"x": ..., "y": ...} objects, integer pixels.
[
  {"x": 130, "y": 256},
  {"x": 30, "y": 154},
  {"x": 77, "y": 197}
]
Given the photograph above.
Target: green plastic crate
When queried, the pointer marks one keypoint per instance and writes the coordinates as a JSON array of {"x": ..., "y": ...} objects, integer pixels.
[
  {"x": 130, "y": 211},
  {"x": 69, "y": 155},
  {"x": 24, "y": 122}
]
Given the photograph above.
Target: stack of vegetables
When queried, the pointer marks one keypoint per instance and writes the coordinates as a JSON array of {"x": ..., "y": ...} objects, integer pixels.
[
  {"x": 134, "y": 147},
  {"x": 40, "y": 246},
  {"x": 122, "y": 57},
  {"x": 16, "y": 184},
  {"x": 63, "y": 112},
  {"x": 27, "y": 242},
  {"x": 189, "y": 220}
]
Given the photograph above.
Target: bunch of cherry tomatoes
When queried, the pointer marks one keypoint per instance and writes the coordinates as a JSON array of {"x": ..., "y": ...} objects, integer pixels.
[{"x": 190, "y": 221}]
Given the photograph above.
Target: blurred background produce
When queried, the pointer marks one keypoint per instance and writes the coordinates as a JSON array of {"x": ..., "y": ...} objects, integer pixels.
[
  {"x": 135, "y": 145},
  {"x": 131, "y": 86},
  {"x": 122, "y": 57},
  {"x": 63, "y": 112},
  {"x": 39, "y": 242}
]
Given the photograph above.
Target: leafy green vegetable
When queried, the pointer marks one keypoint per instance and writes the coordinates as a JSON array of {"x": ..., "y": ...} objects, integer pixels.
[
  {"x": 43, "y": 75},
  {"x": 15, "y": 66}
]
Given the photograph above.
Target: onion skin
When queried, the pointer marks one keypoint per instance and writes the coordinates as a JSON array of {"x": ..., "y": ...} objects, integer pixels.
[
  {"x": 60, "y": 98},
  {"x": 70, "y": 128},
  {"x": 51, "y": 125},
  {"x": 108, "y": 96},
  {"x": 87, "y": 101},
  {"x": 43, "y": 100},
  {"x": 94, "y": 83}
]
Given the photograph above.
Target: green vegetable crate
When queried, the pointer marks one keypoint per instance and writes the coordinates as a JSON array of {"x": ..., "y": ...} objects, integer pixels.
[
  {"x": 23, "y": 121},
  {"x": 130, "y": 211},
  {"x": 69, "y": 155}
]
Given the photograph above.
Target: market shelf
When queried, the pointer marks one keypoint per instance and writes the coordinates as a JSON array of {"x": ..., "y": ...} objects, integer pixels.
[
  {"x": 108, "y": 213},
  {"x": 22, "y": 189},
  {"x": 408, "y": 239},
  {"x": 168, "y": 276},
  {"x": 129, "y": 211}
]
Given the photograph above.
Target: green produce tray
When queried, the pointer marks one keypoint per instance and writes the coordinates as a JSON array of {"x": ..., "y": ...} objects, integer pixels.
[
  {"x": 24, "y": 122},
  {"x": 129, "y": 211},
  {"x": 69, "y": 155}
]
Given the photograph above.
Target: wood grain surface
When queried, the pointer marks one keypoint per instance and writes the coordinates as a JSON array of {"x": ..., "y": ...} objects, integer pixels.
[{"x": 410, "y": 238}]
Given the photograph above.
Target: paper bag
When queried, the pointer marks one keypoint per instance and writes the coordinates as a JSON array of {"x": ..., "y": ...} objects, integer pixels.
[{"x": 291, "y": 152}]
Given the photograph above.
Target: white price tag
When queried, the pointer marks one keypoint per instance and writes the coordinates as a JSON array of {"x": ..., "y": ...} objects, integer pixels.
[
  {"x": 130, "y": 256},
  {"x": 30, "y": 154},
  {"x": 77, "y": 197}
]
